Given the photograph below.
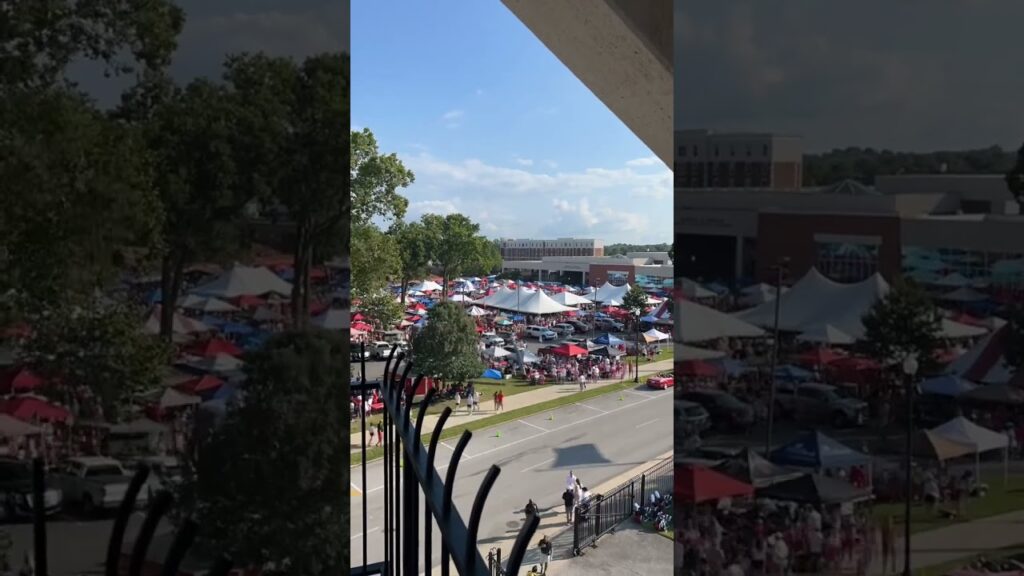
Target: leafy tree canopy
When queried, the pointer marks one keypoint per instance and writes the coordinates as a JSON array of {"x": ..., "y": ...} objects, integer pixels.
[
  {"x": 272, "y": 478},
  {"x": 446, "y": 347},
  {"x": 903, "y": 323},
  {"x": 457, "y": 248},
  {"x": 376, "y": 180},
  {"x": 635, "y": 300}
]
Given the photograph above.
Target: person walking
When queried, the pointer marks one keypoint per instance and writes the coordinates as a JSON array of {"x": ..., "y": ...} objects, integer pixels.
[
  {"x": 458, "y": 401},
  {"x": 530, "y": 509},
  {"x": 569, "y": 498},
  {"x": 380, "y": 433},
  {"x": 545, "y": 549},
  {"x": 501, "y": 400}
]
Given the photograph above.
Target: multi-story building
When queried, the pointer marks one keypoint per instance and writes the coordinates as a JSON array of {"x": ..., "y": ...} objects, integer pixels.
[
  {"x": 648, "y": 269},
  {"x": 522, "y": 249},
  {"x": 707, "y": 159}
]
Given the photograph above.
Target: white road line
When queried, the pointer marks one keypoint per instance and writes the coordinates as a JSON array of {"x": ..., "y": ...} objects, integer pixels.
[
  {"x": 646, "y": 423},
  {"x": 638, "y": 394},
  {"x": 537, "y": 464},
  {"x": 446, "y": 445},
  {"x": 592, "y": 408},
  {"x": 557, "y": 429},
  {"x": 356, "y": 488},
  {"x": 360, "y": 535},
  {"x": 534, "y": 425}
]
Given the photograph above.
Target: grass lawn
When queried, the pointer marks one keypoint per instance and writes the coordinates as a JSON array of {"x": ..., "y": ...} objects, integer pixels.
[
  {"x": 455, "y": 431},
  {"x": 947, "y": 567},
  {"x": 670, "y": 534},
  {"x": 663, "y": 354},
  {"x": 1000, "y": 500}
]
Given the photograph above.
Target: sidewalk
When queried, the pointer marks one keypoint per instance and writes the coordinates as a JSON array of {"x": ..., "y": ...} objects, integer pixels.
[
  {"x": 959, "y": 541},
  {"x": 542, "y": 394}
]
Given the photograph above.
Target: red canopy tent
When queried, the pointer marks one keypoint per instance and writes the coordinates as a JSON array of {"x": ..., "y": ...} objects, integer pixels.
[
  {"x": 19, "y": 380},
  {"x": 818, "y": 357},
  {"x": 211, "y": 348},
  {"x": 27, "y": 408},
  {"x": 568, "y": 350},
  {"x": 699, "y": 368},
  {"x": 357, "y": 317},
  {"x": 696, "y": 484},
  {"x": 199, "y": 385},
  {"x": 362, "y": 327}
]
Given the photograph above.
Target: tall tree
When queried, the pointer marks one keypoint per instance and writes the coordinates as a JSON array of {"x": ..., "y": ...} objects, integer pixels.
[
  {"x": 99, "y": 349},
  {"x": 381, "y": 307},
  {"x": 376, "y": 258},
  {"x": 270, "y": 481},
  {"x": 904, "y": 322},
  {"x": 635, "y": 301},
  {"x": 192, "y": 137},
  {"x": 455, "y": 246},
  {"x": 446, "y": 348},
  {"x": 414, "y": 252},
  {"x": 376, "y": 181}
]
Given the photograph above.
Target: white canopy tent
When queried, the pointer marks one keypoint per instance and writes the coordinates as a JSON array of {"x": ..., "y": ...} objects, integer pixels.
[
  {"x": 759, "y": 294},
  {"x": 476, "y": 311},
  {"x": 826, "y": 334},
  {"x": 608, "y": 294},
  {"x": 816, "y": 301},
  {"x": 964, "y": 294},
  {"x": 244, "y": 281},
  {"x": 654, "y": 335},
  {"x": 976, "y": 438},
  {"x": 567, "y": 298},
  {"x": 496, "y": 352},
  {"x": 460, "y": 298},
  {"x": 694, "y": 290},
  {"x": 953, "y": 280},
  {"x": 952, "y": 329},
  {"x": 206, "y": 304},
  {"x": 537, "y": 303},
  {"x": 684, "y": 352},
  {"x": 181, "y": 326},
  {"x": 698, "y": 323},
  {"x": 427, "y": 286}
]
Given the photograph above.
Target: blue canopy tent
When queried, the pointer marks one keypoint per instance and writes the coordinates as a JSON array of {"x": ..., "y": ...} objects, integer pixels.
[
  {"x": 213, "y": 321},
  {"x": 607, "y": 339},
  {"x": 650, "y": 319},
  {"x": 818, "y": 451},
  {"x": 519, "y": 318},
  {"x": 492, "y": 374},
  {"x": 949, "y": 385}
]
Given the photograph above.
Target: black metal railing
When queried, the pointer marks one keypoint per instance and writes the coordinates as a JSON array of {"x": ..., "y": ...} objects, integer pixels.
[
  {"x": 409, "y": 474},
  {"x": 606, "y": 511},
  {"x": 116, "y": 563}
]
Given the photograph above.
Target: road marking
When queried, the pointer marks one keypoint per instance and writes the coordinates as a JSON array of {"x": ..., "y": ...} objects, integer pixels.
[
  {"x": 534, "y": 425},
  {"x": 646, "y": 423},
  {"x": 355, "y": 490},
  {"x": 639, "y": 394},
  {"x": 537, "y": 464},
  {"x": 592, "y": 408},
  {"x": 446, "y": 445},
  {"x": 360, "y": 535}
]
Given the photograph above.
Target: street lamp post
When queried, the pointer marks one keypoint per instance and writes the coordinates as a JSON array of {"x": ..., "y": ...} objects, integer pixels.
[
  {"x": 636, "y": 375},
  {"x": 779, "y": 268},
  {"x": 910, "y": 367}
]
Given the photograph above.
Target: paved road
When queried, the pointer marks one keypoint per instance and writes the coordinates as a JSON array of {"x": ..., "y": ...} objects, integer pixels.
[
  {"x": 598, "y": 439},
  {"x": 76, "y": 546}
]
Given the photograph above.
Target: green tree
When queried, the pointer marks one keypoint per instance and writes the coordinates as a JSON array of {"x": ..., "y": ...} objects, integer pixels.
[
  {"x": 904, "y": 322},
  {"x": 456, "y": 246},
  {"x": 1015, "y": 177},
  {"x": 413, "y": 251},
  {"x": 446, "y": 348},
  {"x": 78, "y": 204},
  {"x": 376, "y": 180},
  {"x": 192, "y": 136},
  {"x": 381, "y": 307},
  {"x": 100, "y": 349},
  {"x": 376, "y": 259},
  {"x": 270, "y": 482},
  {"x": 635, "y": 301}
]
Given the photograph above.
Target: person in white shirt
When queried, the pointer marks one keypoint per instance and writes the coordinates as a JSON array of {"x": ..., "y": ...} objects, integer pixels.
[
  {"x": 570, "y": 481},
  {"x": 814, "y": 520},
  {"x": 815, "y": 545}
]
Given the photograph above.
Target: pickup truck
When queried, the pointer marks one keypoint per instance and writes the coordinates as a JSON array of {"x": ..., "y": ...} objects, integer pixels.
[
  {"x": 95, "y": 484},
  {"x": 810, "y": 402}
]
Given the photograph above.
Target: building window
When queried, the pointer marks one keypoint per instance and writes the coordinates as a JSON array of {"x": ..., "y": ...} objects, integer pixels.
[{"x": 847, "y": 262}]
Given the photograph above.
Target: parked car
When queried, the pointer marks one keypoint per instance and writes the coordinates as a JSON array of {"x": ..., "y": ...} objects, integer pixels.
[
  {"x": 493, "y": 339},
  {"x": 579, "y": 326},
  {"x": 581, "y": 342},
  {"x": 727, "y": 411},
  {"x": 817, "y": 402},
  {"x": 691, "y": 418},
  {"x": 541, "y": 333},
  {"x": 165, "y": 473},
  {"x": 661, "y": 381},
  {"x": 609, "y": 324},
  {"x": 16, "y": 491},
  {"x": 563, "y": 329},
  {"x": 95, "y": 483},
  {"x": 381, "y": 350},
  {"x": 358, "y": 353}
]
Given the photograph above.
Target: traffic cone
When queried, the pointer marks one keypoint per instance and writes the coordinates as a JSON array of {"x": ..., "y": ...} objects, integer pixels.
[
  {"x": 551, "y": 417},
  {"x": 497, "y": 434}
]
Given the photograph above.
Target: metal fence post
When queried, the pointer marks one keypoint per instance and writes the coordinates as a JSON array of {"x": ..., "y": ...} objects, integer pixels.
[
  {"x": 39, "y": 515},
  {"x": 643, "y": 490}
]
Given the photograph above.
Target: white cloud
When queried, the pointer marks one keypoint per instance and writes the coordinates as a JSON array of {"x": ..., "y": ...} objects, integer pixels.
[
  {"x": 452, "y": 115},
  {"x": 524, "y": 161},
  {"x": 442, "y": 207},
  {"x": 646, "y": 161},
  {"x": 551, "y": 164}
]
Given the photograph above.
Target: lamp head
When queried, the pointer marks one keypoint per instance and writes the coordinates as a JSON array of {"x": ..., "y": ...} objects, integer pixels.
[{"x": 910, "y": 365}]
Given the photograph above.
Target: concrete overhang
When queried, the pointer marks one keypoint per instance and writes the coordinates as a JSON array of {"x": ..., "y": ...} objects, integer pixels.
[{"x": 622, "y": 52}]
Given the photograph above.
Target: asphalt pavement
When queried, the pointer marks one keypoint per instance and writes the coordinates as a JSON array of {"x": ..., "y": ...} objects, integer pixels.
[{"x": 597, "y": 439}]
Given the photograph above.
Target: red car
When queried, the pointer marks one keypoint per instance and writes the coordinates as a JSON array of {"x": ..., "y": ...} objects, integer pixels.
[{"x": 662, "y": 381}]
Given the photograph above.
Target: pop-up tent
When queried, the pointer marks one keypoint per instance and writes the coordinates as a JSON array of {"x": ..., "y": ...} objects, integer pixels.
[
  {"x": 696, "y": 484},
  {"x": 750, "y": 467},
  {"x": 818, "y": 451},
  {"x": 699, "y": 323},
  {"x": 976, "y": 439},
  {"x": 244, "y": 281},
  {"x": 654, "y": 335},
  {"x": 608, "y": 340},
  {"x": 815, "y": 489},
  {"x": 684, "y": 352},
  {"x": 567, "y": 298},
  {"x": 492, "y": 374},
  {"x": 949, "y": 385}
]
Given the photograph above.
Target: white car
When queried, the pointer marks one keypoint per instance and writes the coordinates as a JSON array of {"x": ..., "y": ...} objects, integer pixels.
[
  {"x": 541, "y": 333},
  {"x": 95, "y": 483},
  {"x": 493, "y": 340},
  {"x": 563, "y": 329}
]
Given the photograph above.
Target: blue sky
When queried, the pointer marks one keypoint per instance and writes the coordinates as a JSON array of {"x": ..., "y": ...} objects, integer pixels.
[{"x": 497, "y": 128}]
